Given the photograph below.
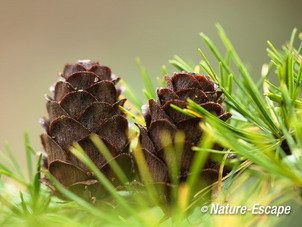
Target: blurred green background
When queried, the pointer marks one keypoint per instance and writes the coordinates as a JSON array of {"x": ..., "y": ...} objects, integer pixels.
[{"x": 39, "y": 37}]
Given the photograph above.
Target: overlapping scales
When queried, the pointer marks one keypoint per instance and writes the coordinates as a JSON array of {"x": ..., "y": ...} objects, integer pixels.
[
  {"x": 85, "y": 102},
  {"x": 161, "y": 118}
]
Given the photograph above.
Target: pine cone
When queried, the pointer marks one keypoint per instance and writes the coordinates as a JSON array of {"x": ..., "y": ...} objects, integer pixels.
[
  {"x": 85, "y": 102},
  {"x": 161, "y": 117}
]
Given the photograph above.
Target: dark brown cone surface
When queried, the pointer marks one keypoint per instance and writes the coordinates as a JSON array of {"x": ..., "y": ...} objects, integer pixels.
[
  {"x": 160, "y": 117},
  {"x": 85, "y": 102}
]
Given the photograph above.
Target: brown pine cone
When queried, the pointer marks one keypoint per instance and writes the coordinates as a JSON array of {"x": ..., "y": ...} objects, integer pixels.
[
  {"x": 85, "y": 102},
  {"x": 161, "y": 117}
]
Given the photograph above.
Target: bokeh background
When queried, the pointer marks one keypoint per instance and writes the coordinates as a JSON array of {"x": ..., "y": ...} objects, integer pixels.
[{"x": 38, "y": 37}]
